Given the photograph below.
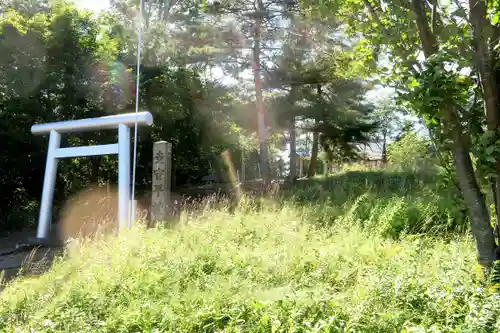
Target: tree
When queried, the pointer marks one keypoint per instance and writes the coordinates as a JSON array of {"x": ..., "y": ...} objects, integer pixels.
[
  {"x": 192, "y": 115},
  {"x": 48, "y": 71},
  {"x": 231, "y": 34},
  {"x": 23, "y": 7},
  {"x": 61, "y": 64},
  {"x": 485, "y": 35},
  {"x": 390, "y": 123},
  {"x": 440, "y": 95},
  {"x": 317, "y": 85},
  {"x": 339, "y": 120},
  {"x": 478, "y": 214},
  {"x": 411, "y": 152},
  {"x": 253, "y": 21}
]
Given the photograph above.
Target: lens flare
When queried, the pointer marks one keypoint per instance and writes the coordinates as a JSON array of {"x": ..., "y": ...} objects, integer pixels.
[
  {"x": 92, "y": 211},
  {"x": 114, "y": 85}
]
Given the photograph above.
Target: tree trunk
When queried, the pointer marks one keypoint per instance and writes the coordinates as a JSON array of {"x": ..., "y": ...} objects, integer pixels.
[
  {"x": 427, "y": 38},
  {"x": 243, "y": 168},
  {"x": 293, "y": 151},
  {"x": 314, "y": 155},
  {"x": 474, "y": 200},
  {"x": 484, "y": 61},
  {"x": 495, "y": 53},
  {"x": 315, "y": 144},
  {"x": 483, "y": 33},
  {"x": 261, "y": 123},
  {"x": 301, "y": 167}
]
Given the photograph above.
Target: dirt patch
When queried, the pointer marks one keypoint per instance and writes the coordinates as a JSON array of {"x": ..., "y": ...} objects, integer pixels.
[{"x": 18, "y": 257}]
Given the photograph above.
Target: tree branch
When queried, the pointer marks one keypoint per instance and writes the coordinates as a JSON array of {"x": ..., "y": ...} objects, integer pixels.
[
  {"x": 434, "y": 16},
  {"x": 428, "y": 39},
  {"x": 373, "y": 13}
]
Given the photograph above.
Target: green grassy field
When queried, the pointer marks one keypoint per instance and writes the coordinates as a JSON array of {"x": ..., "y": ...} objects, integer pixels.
[{"x": 360, "y": 252}]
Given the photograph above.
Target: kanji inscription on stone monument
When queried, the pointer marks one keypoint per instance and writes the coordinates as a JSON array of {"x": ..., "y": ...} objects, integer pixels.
[{"x": 162, "y": 165}]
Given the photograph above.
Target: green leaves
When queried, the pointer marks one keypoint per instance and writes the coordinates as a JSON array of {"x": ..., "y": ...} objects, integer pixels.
[
  {"x": 495, "y": 18},
  {"x": 437, "y": 87},
  {"x": 413, "y": 84},
  {"x": 486, "y": 148},
  {"x": 411, "y": 152}
]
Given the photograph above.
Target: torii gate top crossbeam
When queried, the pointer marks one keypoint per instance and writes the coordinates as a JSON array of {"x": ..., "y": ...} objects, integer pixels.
[{"x": 94, "y": 124}]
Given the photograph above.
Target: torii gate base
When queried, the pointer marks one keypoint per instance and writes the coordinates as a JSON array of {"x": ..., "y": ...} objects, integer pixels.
[{"x": 122, "y": 122}]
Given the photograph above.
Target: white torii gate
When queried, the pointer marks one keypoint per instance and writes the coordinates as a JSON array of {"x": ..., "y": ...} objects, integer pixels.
[{"x": 122, "y": 122}]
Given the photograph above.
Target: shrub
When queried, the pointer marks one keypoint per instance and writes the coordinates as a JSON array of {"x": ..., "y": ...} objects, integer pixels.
[
  {"x": 389, "y": 203},
  {"x": 411, "y": 152}
]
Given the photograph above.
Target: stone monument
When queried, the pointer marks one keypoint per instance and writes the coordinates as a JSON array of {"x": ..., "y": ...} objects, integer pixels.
[{"x": 161, "y": 180}]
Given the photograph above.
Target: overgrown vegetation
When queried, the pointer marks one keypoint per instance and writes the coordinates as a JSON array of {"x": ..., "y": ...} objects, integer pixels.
[
  {"x": 387, "y": 203},
  {"x": 343, "y": 254},
  {"x": 412, "y": 152}
]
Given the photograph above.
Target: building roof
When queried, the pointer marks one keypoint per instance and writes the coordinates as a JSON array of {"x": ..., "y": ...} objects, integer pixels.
[{"x": 372, "y": 151}]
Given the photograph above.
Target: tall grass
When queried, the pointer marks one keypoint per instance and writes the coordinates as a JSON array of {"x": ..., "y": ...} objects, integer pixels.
[
  {"x": 268, "y": 266},
  {"x": 390, "y": 203}
]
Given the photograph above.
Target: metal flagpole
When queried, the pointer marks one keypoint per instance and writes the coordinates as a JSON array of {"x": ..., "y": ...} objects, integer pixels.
[{"x": 139, "y": 46}]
